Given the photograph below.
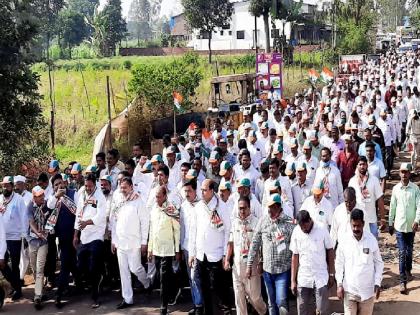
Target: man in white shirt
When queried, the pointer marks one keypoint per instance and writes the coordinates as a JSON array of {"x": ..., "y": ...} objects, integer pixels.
[
  {"x": 311, "y": 161},
  {"x": 3, "y": 249},
  {"x": 286, "y": 189},
  {"x": 341, "y": 218},
  {"x": 368, "y": 194},
  {"x": 89, "y": 231},
  {"x": 301, "y": 189},
  {"x": 211, "y": 222},
  {"x": 319, "y": 207},
  {"x": 330, "y": 176},
  {"x": 312, "y": 265},
  {"x": 240, "y": 238},
  {"x": 20, "y": 188},
  {"x": 246, "y": 169},
  {"x": 174, "y": 166},
  {"x": 376, "y": 167},
  {"x": 187, "y": 213},
  {"x": 129, "y": 238},
  {"x": 385, "y": 125},
  {"x": 244, "y": 190},
  {"x": 112, "y": 167},
  {"x": 359, "y": 268},
  {"x": 13, "y": 211}
]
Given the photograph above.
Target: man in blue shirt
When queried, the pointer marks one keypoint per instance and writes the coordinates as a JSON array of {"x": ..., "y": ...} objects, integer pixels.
[{"x": 369, "y": 138}]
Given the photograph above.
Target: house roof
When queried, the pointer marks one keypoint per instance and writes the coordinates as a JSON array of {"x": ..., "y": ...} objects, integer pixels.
[{"x": 180, "y": 27}]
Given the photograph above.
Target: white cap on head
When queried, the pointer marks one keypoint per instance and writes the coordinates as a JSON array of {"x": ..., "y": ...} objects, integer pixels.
[{"x": 19, "y": 178}]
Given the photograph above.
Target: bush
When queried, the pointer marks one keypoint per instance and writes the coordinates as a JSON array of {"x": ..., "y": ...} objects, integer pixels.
[
  {"x": 127, "y": 64},
  {"x": 154, "y": 84}
]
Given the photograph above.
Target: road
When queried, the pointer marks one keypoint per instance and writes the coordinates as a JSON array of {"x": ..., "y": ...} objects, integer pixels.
[{"x": 391, "y": 301}]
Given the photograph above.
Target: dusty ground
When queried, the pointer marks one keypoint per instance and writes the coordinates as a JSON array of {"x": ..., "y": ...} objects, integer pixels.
[{"x": 391, "y": 301}]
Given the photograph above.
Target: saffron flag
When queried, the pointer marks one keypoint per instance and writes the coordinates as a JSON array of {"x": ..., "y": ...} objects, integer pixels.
[
  {"x": 178, "y": 100},
  {"x": 327, "y": 75},
  {"x": 313, "y": 75}
]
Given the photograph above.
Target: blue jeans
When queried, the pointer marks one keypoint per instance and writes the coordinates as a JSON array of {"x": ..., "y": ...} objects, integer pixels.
[
  {"x": 194, "y": 282},
  {"x": 277, "y": 285},
  {"x": 374, "y": 229},
  {"x": 405, "y": 251}
]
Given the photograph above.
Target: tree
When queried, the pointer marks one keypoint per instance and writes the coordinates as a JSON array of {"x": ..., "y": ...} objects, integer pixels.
[
  {"x": 355, "y": 21},
  {"x": 47, "y": 12},
  {"x": 84, "y": 7},
  {"x": 263, "y": 7},
  {"x": 140, "y": 14},
  {"x": 207, "y": 15},
  {"x": 112, "y": 27},
  {"x": 22, "y": 127},
  {"x": 72, "y": 29},
  {"x": 415, "y": 19}
]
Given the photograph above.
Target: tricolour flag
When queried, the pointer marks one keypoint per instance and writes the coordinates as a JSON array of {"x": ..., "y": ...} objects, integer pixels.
[
  {"x": 178, "y": 100},
  {"x": 327, "y": 75},
  {"x": 313, "y": 75}
]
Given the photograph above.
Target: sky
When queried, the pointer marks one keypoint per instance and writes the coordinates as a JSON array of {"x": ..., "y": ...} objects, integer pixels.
[{"x": 169, "y": 7}]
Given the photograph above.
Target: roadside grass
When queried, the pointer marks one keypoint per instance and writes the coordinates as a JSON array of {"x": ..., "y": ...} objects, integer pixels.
[{"x": 78, "y": 120}]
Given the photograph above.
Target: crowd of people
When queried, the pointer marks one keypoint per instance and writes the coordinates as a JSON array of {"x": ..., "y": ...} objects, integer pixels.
[{"x": 291, "y": 201}]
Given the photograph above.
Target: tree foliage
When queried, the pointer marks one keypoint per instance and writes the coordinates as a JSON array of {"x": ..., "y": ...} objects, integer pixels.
[
  {"x": 355, "y": 21},
  {"x": 207, "y": 15},
  {"x": 415, "y": 18},
  {"x": 22, "y": 128},
  {"x": 109, "y": 28},
  {"x": 139, "y": 15},
  {"x": 155, "y": 84},
  {"x": 72, "y": 29}
]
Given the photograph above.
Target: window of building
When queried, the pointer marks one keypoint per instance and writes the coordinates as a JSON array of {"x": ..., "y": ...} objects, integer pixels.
[
  {"x": 204, "y": 35},
  {"x": 240, "y": 34},
  {"x": 230, "y": 33},
  {"x": 221, "y": 33}
]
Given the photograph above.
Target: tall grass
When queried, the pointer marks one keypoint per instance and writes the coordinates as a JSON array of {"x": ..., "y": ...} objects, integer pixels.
[{"x": 79, "y": 120}]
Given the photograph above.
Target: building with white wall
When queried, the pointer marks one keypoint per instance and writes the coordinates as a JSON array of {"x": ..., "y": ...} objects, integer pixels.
[{"x": 239, "y": 33}]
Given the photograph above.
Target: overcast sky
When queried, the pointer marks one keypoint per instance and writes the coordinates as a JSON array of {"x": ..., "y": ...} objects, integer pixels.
[{"x": 169, "y": 7}]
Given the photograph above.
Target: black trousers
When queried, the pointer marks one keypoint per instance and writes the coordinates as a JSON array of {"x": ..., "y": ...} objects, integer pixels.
[
  {"x": 68, "y": 264},
  {"x": 90, "y": 262},
  {"x": 212, "y": 278},
  {"x": 164, "y": 266},
  {"x": 51, "y": 262},
  {"x": 13, "y": 274},
  {"x": 111, "y": 271}
]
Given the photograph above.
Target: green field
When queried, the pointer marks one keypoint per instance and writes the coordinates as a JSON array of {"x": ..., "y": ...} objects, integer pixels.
[{"x": 79, "y": 120}]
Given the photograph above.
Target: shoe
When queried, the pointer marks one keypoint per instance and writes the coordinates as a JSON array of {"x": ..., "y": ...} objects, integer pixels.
[
  {"x": 16, "y": 296},
  {"x": 163, "y": 311},
  {"x": 175, "y": 299},
  {"x": 403, "y": 288},
  {"x": 149, "y": 290},
  {"x": 2, "y": 296},
  {"x": 95, "y": 304},
  {"x": 409, "y": 275},
  {"x": 58, "y": 302},
  {"x": 199, "y": 310},
  {"x": 123, "y": 305},
  {"x": 192, "y": 311},
  {"x": 38, "y": 303}
]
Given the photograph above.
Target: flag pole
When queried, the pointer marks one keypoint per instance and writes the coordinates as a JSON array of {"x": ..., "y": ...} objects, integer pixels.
[{"x": 174, "y": 121}]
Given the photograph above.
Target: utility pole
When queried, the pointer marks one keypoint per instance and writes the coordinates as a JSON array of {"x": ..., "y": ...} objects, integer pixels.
[{"x": 109, "y": 112}]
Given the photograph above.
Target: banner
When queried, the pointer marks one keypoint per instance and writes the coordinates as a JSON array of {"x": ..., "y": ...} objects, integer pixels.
[{"x": 269, "y": 76}]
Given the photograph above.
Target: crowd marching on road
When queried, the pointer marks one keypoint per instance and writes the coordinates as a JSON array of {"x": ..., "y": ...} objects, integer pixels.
[{"x": 290, "y": 202}]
